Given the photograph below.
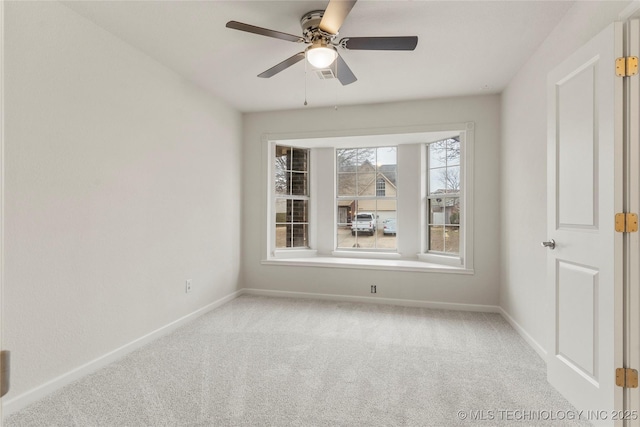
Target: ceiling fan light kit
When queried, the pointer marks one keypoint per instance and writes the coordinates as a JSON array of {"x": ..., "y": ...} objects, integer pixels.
[
  {"x": 321, "y": 56},
  {"x": 319, "y": 30}
]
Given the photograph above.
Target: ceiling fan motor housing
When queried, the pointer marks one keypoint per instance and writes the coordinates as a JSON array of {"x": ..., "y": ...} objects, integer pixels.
[{"x": 310, "y": 23}]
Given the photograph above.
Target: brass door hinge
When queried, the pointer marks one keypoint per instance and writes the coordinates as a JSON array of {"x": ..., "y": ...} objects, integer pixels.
[
  {"x": 5, "y": 371},
  {"x": 627, "y": 66},
  {"x": 627, "y": 378},
  {"x": 626, "y": 222}
]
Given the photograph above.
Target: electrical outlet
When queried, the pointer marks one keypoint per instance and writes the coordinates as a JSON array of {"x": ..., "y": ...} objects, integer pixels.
[
  {"x": 373, "y": 289},
  {"x": 187, "y": 287}
]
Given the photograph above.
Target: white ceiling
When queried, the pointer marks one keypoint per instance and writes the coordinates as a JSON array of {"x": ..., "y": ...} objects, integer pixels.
[{"x": 464, "y": 47}]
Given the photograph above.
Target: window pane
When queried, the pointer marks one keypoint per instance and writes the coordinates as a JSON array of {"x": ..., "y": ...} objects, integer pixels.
[
  {"x": 299, "y": 234},
  {"x": 437, "y": 181},
  {"x": 281, "y": 236},
  {"x": 282, "y": 177},
  {"x": 365, "y": 241},
  {"x": 346, "y": 184},
  {"x": 453, "y": 179},
  {"x": 346, "y": 238},
  {"x": 452, "y": 210},
  {"x": 282, "y": 181},
  {"x": 436, "y": 238},
  {"x": 437, "y": 155},
  {"x": 345, "y": 209},
  {"x": 366, "y": 159},
  {"x": 366, "y": 206},
  {"x": 453, "y": 152},
  {"x": 452, "y": 239},
  {"x": 386, "y": 156},
  {"x": 299, "y": 160},
  {"x": 388, "y": 228},
  {"x": 283, "y": 156},
  {"x": 346, "y": 160},
  {"x": 381, "y": 186},
  {"x": 366, "y": 184},
  {"x": 369, "y": 173},
  {"x": 299, "y": 211},
  {"x": 299, "y": 184},
  {"x": 436, "y": 211},
  {"x": 281, "y": 210}
]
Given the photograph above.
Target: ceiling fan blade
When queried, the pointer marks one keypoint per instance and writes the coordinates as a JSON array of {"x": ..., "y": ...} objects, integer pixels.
[
  {"x": 343, "y": 72},
  {"x": 282, "y": 66},
  {"x": 263, "y": 31},
  {"x": 380, "y": 43},
  {"x": 335, "y": 14}
]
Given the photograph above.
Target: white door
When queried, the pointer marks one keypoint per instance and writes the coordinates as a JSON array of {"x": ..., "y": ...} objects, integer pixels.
[{"x": 584, "y": 176}]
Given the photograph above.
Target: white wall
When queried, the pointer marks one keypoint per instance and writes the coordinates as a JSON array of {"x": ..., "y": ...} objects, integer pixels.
[
  {"x": 523, "y": 167},
  {"x": 481, "y": 288},
  {"x": 122, "y": 181}
]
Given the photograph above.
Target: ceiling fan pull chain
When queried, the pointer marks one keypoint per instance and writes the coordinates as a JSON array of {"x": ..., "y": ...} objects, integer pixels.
[
  {"x": 335, "y": 107},
  {"x": 305, "y": 83}
]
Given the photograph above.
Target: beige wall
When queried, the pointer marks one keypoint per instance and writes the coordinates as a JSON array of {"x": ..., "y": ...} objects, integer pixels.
[
  {"x": 480, "y": 288},
  {"x": 121, "y": 180}
]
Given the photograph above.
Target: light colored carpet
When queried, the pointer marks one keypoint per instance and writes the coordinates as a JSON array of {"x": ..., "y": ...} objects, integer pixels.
[{"x": 278, "y": 362}]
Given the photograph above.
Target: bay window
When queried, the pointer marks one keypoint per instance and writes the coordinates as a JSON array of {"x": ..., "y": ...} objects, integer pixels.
[{"x": 382, "y": 201}]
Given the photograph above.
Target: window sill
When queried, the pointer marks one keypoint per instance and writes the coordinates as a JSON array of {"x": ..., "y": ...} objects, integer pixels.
[
  {"x": 294, "y": 253},
  {"x": 452, "y": 261},
  {"x": 368, "y": 264},
  {"x": 360, "y": 254}
]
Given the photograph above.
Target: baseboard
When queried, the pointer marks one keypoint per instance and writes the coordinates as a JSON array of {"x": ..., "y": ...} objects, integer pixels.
[
  {"x": 525, "y": 335},
  {"x": 17, "y": 403},
  {"x": 375, "y": 300}
]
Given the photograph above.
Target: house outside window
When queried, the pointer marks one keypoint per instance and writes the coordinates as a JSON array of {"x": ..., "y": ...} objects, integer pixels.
[
  {"x": 366, "y": 189},
  {"x": 291, "y": 197}
]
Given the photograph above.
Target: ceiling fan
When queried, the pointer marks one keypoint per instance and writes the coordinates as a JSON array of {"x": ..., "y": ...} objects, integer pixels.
[{"x": 319, "y": 30}]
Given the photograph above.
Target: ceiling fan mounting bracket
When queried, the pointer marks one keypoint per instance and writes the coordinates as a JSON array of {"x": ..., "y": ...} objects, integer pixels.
[{"x": 310, "y": 23}]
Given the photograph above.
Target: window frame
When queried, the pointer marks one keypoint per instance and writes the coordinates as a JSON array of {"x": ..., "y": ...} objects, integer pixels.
[
  {"x": 430, "y": 197},
  {"x": 464, "y": 257},
  {"x": 323, "y": 207},
  {"x": 291, "y": 196}
]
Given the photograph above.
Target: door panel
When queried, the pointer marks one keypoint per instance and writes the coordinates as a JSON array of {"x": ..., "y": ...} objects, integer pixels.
[
  {"x": 577, "y": 145},
  {"x": 577, "y": 342},
  {"x": 584, "y": 287}
]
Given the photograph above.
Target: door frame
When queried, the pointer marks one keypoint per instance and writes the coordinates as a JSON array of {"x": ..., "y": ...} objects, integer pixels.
[
  {"x": 631, "y": 193},
  {"x": 2, "y": 172}
]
